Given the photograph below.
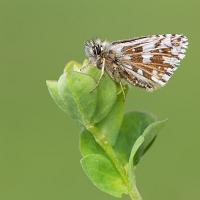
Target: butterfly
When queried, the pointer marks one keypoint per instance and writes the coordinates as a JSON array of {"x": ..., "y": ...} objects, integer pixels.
[{"x": 147, "y": 62}]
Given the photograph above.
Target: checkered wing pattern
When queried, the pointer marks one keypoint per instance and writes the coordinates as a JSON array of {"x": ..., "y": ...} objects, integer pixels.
[{"x": 149, "y": 62}]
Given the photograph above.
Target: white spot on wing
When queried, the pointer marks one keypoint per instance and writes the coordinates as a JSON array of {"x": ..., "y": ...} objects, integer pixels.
[
  {"x": 183, "y": 51},
  {"x": 166, "y": 77},
  {"x": 181, "y": 56},
  {"x": 148, "y": 47},
  {"x": 170, "y": 70},
  {"x": 185, "y": 45},
  {"x": 174, "y": 51},
  {"x": 166, "y": 42},
  {"x": 126, "y": 57},
  {"x": 146, "y": 58},
  {"x": 140, "y": 72},
  {"x": 154, "y": 79},
  {"x": 170, "y": 60},
  {"x": 157, "y": 81},
  {"x": 184, "y": 39},
  {"x": 128, "y": 66},
  {"x": 154, "y": 72},
  {"x": 174, "y": 69},
  {"x": 161, "y": 83}
]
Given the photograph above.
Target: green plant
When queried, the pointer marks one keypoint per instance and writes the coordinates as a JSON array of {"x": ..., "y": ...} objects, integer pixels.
[{"x": 111, "y": 142}]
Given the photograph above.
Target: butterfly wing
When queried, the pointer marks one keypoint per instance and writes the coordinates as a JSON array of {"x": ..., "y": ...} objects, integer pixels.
[{"x": 149, "y": 62}]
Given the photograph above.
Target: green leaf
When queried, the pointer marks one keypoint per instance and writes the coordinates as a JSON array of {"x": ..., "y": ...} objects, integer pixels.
[
  {"x": 149, "y": 134},
  {"x": 110, "y": 125},
  {"x": 88, "y": 145},
  {"x": 106, "y": 94},
  {"x": 140, "y": 147},
  {"x": 75, "y": 89},
  {"x": 103, "y": 174},
  {"x": 116, "y": 142},
  {"x": 131, "y": 171},
  {"x": 53, "y": 90},
  {"x": 133, "y": 126},
  {"x": 106, "y": 90},
  {"x": 72, "y": 66}
]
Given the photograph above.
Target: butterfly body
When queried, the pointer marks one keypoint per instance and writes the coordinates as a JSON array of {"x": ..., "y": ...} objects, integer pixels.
[{"x": 146, "y": 62}]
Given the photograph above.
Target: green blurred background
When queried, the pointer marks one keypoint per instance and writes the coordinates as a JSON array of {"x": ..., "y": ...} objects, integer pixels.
[{"x": 39, "y": 155}]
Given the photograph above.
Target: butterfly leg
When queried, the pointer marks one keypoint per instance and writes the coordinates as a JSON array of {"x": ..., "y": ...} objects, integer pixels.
[
  {"x": 85, "y": 65},
  {"x": 102, "y": 72},
  {"x": 101, "y": 76},
  {"x": 122, "y": 90}
]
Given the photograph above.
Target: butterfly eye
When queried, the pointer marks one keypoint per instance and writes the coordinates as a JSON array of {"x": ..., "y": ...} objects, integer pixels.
[
  {"x": 99, "y": 49},
  {"x": 96, "y": 50}
]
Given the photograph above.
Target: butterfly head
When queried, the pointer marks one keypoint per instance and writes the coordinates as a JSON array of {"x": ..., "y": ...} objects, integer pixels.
[{"x": 94, "y": 49}]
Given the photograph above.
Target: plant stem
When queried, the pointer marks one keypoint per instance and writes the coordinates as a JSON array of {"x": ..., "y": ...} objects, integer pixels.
[
  {"x": 134, "y": 193},
  {"x": 103, "y": 142}
]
